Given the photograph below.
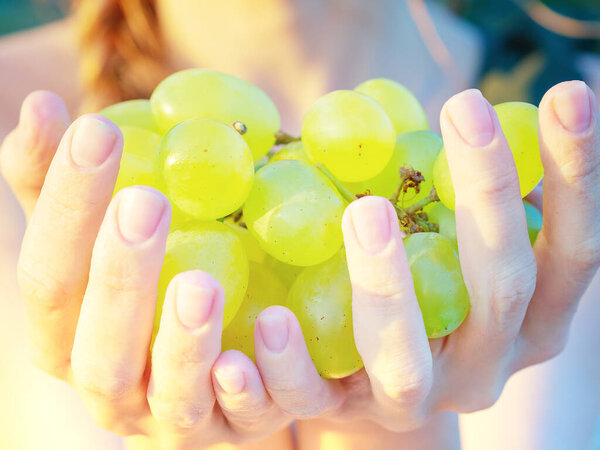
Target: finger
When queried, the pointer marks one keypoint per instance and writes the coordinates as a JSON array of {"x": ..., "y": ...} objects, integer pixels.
[
  {"x": 388, "y": 326},
  {"x": 568, "y": 247},
  {"x": 54, "y": 260},
  {"x": 285, "y": 366},
  {"x": 188, "y": 343},
  {"x": 115, "y": 324},
  {"x": 242, "y": 396},
  {"x": 27, "y": 151},
  {"x": 496, "y": 257}
]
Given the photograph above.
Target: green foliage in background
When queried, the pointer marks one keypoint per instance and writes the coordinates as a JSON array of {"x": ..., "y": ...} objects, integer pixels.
[{"x": 524, "y": 59}]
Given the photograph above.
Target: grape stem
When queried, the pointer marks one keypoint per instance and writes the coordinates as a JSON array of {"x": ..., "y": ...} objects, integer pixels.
[
  {"x": 282, "y": 138},
  {"x": 411, "y": 218},
  {"x": 343, "y": 190}
]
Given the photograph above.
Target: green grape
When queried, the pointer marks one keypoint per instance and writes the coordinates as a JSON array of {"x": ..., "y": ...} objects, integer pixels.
[
  {"x": 292, "y": 150},
  {"x": 132, "y": 113},
  {"x": 534, "y": 221},
  {"x": 285, "y": 272},
  {"x": 253, "y": 250},
  {"x": 205, "y": 168},
  {"x": 213, "y": 248},
  {"x": 264, "y": 290},
  {"x": 418, "y": 149},
  {"x": 519, "y": 122},
  {"x": 443, "y": 181},
  {"x": 350, "y": 134},
  {"x": 295, "y": 213},
  {"x": 399, "y": 103},
  {"x": 438, "y": 281},
  {"x": 200, "y": 93},
  {"x": 140, "y": 148},
  {"x": 445, "y": 218},
  {"x": 321, "y": 299}
]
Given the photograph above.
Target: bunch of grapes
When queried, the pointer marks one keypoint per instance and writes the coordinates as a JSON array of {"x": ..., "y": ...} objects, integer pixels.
[{"x": 261, "y": 210}]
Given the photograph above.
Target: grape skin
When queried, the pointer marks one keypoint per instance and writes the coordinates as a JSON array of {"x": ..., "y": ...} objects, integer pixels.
[
  {"x": 519, "y": 122},
  {"x": 445, "y": 218},
  {"x": 293, "y": 150},
  {"x": 295, "y": 213},
  {"x": 140, "y": 149},
  {"x": 417, "y": 149},
  {"x": 350, "y": 134},
  {"x": 213, "y": 248},
  {"x": 264, "y": 290},
  {"x": 205, "y": 168},
  {"x": 439, "y": 286},
  {"x": 321, "y": 299},
  {"x": 201, "y": 93},
  {"x": 132, "y": 113},
  {"x": 403, "y": 108}
]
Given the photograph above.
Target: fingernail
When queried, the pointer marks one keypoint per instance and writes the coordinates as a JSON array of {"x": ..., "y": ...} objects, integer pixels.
[
  {"x": 572, "y": 107},
  {"x": 92, "y": 142},
  {"x": 140, "y": 211},
  {"x": 371, "y": 220},
  {"x": 230, "y": 379},
  {"x": 193, "y": 303},
  {"x": 470, "y": 114},
  {"x": 274, "y": 331}
]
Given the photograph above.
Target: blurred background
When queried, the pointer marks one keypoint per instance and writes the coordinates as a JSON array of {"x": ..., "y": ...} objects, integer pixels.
[{"x": 530, "y": 44}]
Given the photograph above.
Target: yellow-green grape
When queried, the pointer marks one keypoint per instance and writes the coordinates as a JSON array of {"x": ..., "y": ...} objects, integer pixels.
[
  {"x": 438, "y": 281},
  {"x": 295, "y": 213},
  {"x": 205, "y": 168},
  {"x": 519, "y": 122},
  {"x": 292, "y": 150},
  {"x": 253, "y": 250},
  {"x": 132, "y": 113},
  {"x": 200, "y": 93},
  {"x": 445, "y": 218},
  {"x": 399, "y": 103},
  {"x": 285, "y": 272},
  {"x": 534, "y": 221},
  {"x": 417, "y": 149},
  {"x": 350, "y": 134},
  {"x": 321, "y": 299},
  {"x": 264, "y": 290},
  {"x": 213, "y": 248},
  {"x": 443, "y": 181},
  {"x": 140, "y": 149}
]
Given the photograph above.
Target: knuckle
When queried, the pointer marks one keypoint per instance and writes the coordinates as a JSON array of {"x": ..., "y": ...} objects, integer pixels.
[
  {"x": 545, "y": 349},
  {"x": 181, "y": 416},
  {"x": 409, "y": 391},
  {"x": 477, "y": 400},
  {"x": 39, "y": 286},
  {"x": 586, "y": 255},
  {"x": 580, "y": 164},
  {"x": 495, "y": 186},
  {"x": 100, "y": 382},
  {"x": 513, "y": 287}
]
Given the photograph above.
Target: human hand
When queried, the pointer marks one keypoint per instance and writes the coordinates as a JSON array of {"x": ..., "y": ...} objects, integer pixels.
[
  {"x": 522, "y": 299},
  {"x": 88, "y": 271}
]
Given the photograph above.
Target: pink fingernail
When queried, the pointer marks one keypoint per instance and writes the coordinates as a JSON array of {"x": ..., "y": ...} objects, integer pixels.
[
  {"x": 274, "y": 331},
  {"x": 371, "y": 219},
  {"x": 140, "y": 211},
  {"x": 194, "y": 304},
  {"x": 471, "y": 116},
  {"x": 93, "y": 142},
  {"x": 572, "y": 106},
  {"x": 231, "y": 380}
]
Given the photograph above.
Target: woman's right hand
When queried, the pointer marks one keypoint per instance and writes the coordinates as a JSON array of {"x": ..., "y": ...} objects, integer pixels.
[{"x": 88, "y": 271}]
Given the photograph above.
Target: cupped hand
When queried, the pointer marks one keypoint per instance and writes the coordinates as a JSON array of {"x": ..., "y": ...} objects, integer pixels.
[
  {"x": 522, "y": 298},
  {"x": 88, "y": 271}
]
